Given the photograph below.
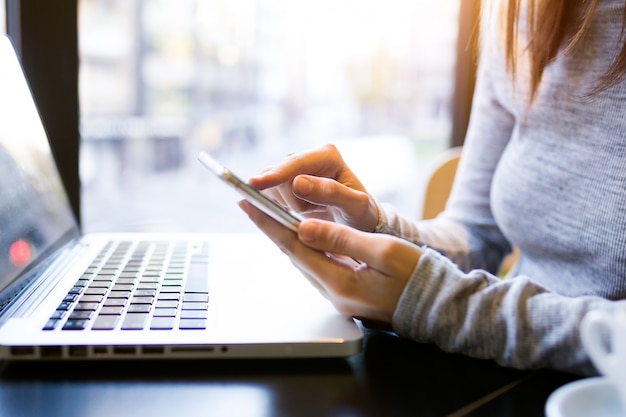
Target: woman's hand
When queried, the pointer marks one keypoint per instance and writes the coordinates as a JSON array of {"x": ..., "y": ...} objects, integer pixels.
[
  {"x": 325, "y": 252},
  {"x": 319, "y": 184}
]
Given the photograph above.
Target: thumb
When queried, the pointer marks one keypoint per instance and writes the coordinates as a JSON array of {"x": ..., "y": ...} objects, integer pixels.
[
  {"x": 352, "y": 203},
  {"x": 388, "y": 254}
]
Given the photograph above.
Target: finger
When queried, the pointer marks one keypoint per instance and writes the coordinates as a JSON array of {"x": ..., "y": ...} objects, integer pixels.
[
  {"x": 354, "y": 205},
  {"x": 390, "y": 255},
  {"x": 296, "y": 203},
  {"x": 324, "y": 161}
]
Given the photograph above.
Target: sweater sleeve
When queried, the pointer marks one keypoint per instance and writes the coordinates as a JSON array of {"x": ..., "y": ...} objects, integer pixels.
[{"x": 515, "y": 322}]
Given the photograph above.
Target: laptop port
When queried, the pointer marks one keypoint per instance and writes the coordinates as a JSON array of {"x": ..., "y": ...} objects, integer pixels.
[
  {"x": 22, "y": 351},
  {"x": 49, "y": 352},
  {"x": 124, "y": 350},
  {"x": 78, "y": 351},
  {"x": 192, "y": 349},
  {"x": 154, "y": 350},
  {"x": 100, "y": 350}
]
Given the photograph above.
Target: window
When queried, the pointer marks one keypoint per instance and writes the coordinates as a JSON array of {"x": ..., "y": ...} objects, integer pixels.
[
  {"x": 250, "y": 81},
  {"x": 3, "y": 19}
]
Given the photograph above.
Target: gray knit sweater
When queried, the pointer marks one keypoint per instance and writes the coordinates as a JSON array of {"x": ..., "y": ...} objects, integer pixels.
[{"x": 550, "y": 179}]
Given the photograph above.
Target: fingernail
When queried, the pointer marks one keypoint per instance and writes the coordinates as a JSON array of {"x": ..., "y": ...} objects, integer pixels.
[
  {"x": 302, "y": 186},
  {"x": 243, "y": 204},
  {"x": 309, "y": 231}
]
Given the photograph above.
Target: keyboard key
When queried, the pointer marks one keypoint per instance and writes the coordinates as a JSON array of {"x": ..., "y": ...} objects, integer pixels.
[
  {"x": 111, "y": 267},
  {"x": 195, "y": 306},
  {"x": 165, "y": 312},
  {"x": 58, "y": 314},
  {"x": 105, "y": 322},
  {"x": 122, "y": 287},
  {"x": 119, "y": 294},
  {"x": 90, "y": 298},
  {"x": 75, "y": 325},
  {"x": 147, "y": 286},
  {"x": 192, "y": 324},
  {"x": 75, "y": 290},
  {"x": 95, "y": 291},
  {"x": 166, "y": 304},
  {"x": 169, "y": 296},
  {"x": 100, "y": 284},
  {"x": 196, "y": 297},
  {"x": 162, "y": 323},
  {"x": 64, "y": 306},
  {"x": 139, "y": 308},
  {"x": 177, "y": 277},
  {"x": 173, "y": 282},
  {"x": 86, "y": 306},
  {"x": 115, "y": 302},
  {"x": 176, "y": 267},
  {"x": 171, "y": 288},
  {"x": 145, "y": 293},
  {"x": 80, "y": 315},
  {"x": 135, "y": 321},
  {"x": 69, "y": 298},
  {"x": 142, "y": 300},
  {"x": 115, "y": 311},
  {"x": 104, "y": 277},
  {"x": 198, "y": 275},
  {"x": 193, "y": 314},
  {"x": 51, "y": 324}
]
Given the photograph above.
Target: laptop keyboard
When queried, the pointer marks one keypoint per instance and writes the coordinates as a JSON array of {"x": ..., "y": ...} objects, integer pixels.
[{"x": 139, "y": 285}]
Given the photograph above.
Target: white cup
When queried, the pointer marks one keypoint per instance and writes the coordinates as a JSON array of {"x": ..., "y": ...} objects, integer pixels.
[{"x": 604, "y": 337}]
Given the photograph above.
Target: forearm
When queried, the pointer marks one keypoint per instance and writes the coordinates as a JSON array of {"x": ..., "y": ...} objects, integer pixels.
[{"x": 514, "y": 321}]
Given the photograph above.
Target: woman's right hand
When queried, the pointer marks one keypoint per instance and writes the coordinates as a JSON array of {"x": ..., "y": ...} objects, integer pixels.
[{"x": 319, "y": 184}]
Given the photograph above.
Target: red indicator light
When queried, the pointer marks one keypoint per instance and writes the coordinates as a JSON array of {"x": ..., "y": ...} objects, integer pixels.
[{"x": 19, "y": 253}]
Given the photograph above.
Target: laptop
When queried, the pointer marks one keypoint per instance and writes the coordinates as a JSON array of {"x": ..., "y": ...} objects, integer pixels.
[{"x": 71, "y": 296}]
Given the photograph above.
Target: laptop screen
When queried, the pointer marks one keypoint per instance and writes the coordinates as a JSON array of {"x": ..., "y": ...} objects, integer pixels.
[{"x": 34, "y": 210}]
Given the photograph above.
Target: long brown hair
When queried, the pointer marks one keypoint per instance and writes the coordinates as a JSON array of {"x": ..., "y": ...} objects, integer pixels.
[{"x": 551, "y": 25}]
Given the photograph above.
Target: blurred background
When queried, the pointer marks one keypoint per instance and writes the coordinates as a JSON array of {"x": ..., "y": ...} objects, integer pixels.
[{"x": 250, "y": 81}]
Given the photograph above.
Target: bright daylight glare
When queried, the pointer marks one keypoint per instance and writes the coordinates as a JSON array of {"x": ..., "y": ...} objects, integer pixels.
[
  {"x": 3, "y": 20},
  {"x": 250, "y": 81}
]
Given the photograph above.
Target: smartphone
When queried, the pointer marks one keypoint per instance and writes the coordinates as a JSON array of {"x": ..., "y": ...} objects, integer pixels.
[{"x": 259, "y": 200}]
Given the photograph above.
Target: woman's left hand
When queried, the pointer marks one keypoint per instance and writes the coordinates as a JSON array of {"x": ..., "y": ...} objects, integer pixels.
[{"x": 325, "y": 253}]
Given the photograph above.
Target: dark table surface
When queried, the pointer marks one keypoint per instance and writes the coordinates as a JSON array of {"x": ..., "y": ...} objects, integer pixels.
[{"x": 391, "y": 377}]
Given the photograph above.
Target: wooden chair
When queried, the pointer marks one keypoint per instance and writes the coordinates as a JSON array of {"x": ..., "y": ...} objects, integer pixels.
[{"x": 439, "y": 183}]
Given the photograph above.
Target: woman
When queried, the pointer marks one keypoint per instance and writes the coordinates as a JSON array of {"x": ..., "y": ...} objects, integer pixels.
[{"x": 543, "y": 169}]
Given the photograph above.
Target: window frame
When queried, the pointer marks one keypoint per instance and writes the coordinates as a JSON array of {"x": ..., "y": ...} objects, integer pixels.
[{"x": 45, "y": 35}]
